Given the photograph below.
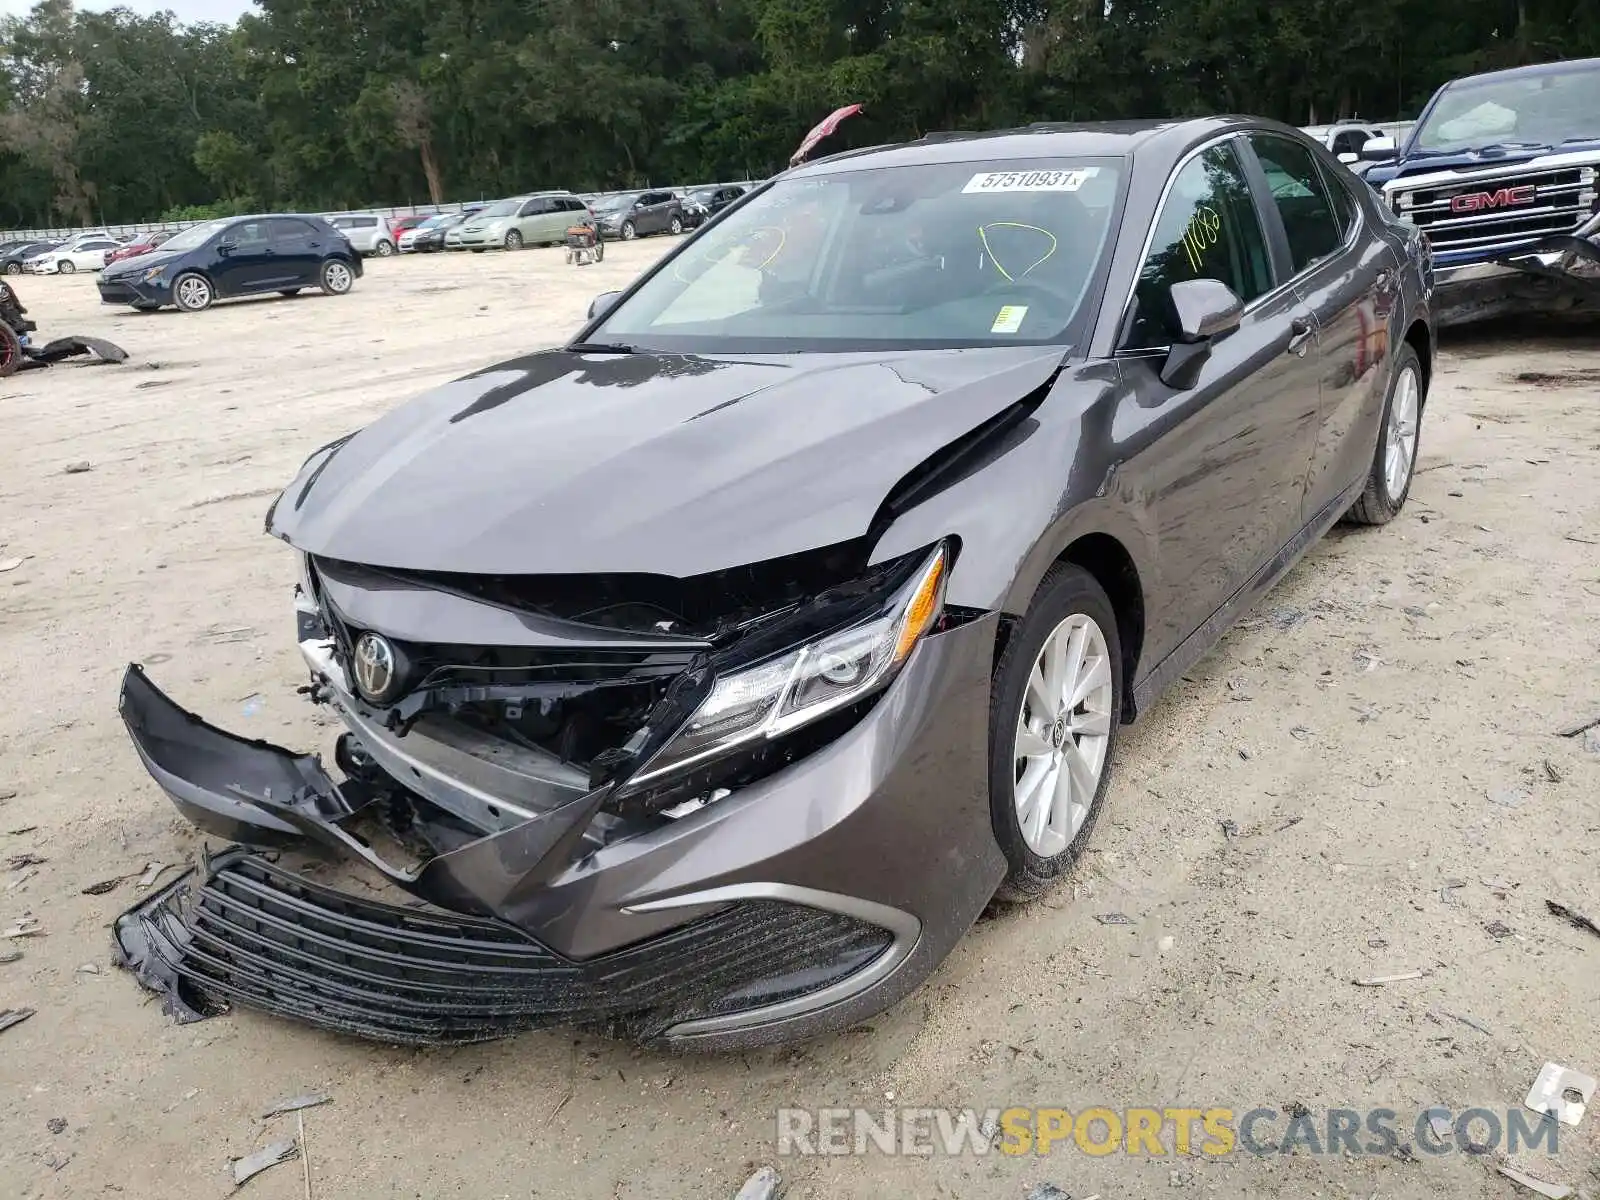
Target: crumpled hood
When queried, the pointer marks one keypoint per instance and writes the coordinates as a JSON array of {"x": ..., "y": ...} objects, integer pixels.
[{"x": 563, "y": 462}]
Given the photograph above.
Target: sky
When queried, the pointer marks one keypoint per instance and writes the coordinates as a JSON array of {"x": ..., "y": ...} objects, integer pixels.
[{"x": 188, "y": 11}]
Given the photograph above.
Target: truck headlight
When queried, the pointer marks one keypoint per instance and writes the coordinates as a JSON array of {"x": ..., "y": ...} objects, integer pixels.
[{"x": 772, "y": 698}]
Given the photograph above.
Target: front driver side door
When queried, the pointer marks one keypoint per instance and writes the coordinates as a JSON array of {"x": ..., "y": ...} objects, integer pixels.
[
  {"x": 1224, "y": 475},
  {"x": 246, "y": 261}
]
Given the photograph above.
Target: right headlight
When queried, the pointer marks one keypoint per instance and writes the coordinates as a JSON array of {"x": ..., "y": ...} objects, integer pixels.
[{"x": 772, "y": 698}]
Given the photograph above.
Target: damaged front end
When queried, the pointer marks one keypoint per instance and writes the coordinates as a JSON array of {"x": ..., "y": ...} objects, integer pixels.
[{"x": 563, "y": 771}]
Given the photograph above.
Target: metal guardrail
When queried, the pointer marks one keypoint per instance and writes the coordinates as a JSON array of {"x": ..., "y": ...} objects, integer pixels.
[{"x": 64, "y": 233}]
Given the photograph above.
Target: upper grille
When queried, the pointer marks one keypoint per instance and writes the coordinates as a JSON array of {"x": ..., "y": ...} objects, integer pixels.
[
  {"x": 1521, "y": 208},
  {"x": 254, "y": 933}
]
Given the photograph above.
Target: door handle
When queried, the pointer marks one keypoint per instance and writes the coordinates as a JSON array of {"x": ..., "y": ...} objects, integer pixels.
[{"x": 1300, "y": 331}]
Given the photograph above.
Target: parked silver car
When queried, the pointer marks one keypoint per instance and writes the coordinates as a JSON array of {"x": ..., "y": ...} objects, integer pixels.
[
  {"x": 539, "y": 219},
  {"x": 369, "y": 234}
]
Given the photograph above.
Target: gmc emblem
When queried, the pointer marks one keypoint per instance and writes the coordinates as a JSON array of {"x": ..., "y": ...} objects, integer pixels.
[{"x": 1507, "y": 197}]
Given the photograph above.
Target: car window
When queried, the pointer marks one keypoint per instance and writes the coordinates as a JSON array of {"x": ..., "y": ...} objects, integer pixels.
[
  {"x": 97, "y": 245},
  {"x": 248, "y": 233},
  {"x": 285, "y": 229},
  {"x": 1208, "y": 229},
  {"x": 926, "y": 255},
  {"x": 1301, "y": 198},
  {"x": 1344, "y": 205},
  {"x": 536, "y": 206}
]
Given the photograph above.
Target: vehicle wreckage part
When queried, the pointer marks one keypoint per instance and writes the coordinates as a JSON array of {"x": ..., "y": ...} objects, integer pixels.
[{"x": 243, "y": 930}]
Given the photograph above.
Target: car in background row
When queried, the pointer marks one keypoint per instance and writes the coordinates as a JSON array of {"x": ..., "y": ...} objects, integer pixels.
[
  {"x": 1502, "y": 175},
  {"x": 367, "y": 233},
  {"x": 628, "y": 215},
  {"x": 427, "y": 237},
  {"x": 142, "y": 244},
  {"x": 1344, "y": 139},
  {"x": 236, "y": 256},
  {"x": 540, "y": 219},
  {"x": 14, "y": 254},
  {"x": 82, "y": 254},
  {"x": 700, "y": 205},
  {"x": 399, "y": 225}
]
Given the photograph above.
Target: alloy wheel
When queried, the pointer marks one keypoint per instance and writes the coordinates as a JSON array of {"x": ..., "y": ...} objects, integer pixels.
[
  {"x": 385, "y": 249},
  {"x": 513, "y": 240},
  {"x": 65, "y": 267},
  {"x": 338, "y": 278},
  {"x": 628, "y": 231},
  {"x": 194, "y": 293},
  {"x": 1063, "y": 733},
  {"x": 1400, "y": 435}
]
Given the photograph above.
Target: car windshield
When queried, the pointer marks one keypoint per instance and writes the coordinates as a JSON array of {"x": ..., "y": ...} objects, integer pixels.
[
  {"x": 946, "y": 254},
  {"x": 501, "y": 208},
  {"x": 194, "y": 236},
  {"x": 615, "y": 203},
  {"x": 1545, "y": 108},
  {"x": 703, "y": 196}
]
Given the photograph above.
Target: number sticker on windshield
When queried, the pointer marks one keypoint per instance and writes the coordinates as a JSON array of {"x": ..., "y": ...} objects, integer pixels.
[
  {"x": 1031, "y": 181},
  {"x": 1009, "y": 319}
]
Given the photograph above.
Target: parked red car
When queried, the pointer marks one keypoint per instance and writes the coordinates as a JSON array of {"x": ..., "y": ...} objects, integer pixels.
[
  {"x": 401, "y": 224},
  {"x": 138, "y": 246}
]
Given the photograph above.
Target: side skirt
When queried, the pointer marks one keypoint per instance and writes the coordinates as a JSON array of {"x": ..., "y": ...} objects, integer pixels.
[{"x": 1194, "y": 647}]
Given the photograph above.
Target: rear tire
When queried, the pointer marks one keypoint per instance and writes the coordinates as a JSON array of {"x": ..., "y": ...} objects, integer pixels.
[
  {"x": 10, "y": 351},
  {"x": 1394, "y": 460},
  {"x": 336, "y": 278},
  {"x": 1055, "y": 710},
  {"x": 384, "y": 249},
  {"x": 192, "y": 292}
]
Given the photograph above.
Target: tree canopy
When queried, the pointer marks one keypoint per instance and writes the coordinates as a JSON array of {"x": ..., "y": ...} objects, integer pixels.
[{"x": 321, "y": 104}]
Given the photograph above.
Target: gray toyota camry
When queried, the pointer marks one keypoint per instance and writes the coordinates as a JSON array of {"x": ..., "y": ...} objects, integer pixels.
[{"x": 704, "y": 679}]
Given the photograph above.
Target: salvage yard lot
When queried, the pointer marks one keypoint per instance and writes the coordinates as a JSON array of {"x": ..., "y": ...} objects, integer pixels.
[{"x": 1322, "y": 799}]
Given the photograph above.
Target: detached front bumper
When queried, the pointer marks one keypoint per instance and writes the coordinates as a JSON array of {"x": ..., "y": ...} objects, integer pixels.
[
  {"x": 796, "y": 905},
  {"x": 1558, "y": 275}
]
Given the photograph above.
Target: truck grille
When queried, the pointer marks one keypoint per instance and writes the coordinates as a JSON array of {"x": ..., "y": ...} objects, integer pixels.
[{"x": 1503, "y": 212}]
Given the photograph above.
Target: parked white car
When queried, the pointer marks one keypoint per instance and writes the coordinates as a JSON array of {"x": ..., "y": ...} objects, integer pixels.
[
  {"x": 368, "y": 234},
  {"x": 85, "y": 254}
]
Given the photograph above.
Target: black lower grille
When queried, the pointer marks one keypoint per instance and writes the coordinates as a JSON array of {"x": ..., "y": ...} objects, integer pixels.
[{"x": 253, "y": 933}]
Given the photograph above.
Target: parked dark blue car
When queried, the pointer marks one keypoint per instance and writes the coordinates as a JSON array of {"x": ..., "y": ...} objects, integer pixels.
[{"x": 235, "y": 256}]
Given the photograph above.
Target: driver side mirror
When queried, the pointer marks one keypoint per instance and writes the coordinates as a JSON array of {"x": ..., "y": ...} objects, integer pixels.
[
  {"x": 1378, "y": 149},
  {"x": 601, "y": 304},
  {"x": 1347, "y": 158},
  {"x": 1207, "y": 310},
  {"x": 226, "y": 248}
]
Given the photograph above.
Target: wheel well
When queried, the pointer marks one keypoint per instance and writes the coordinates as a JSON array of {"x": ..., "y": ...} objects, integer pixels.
[
  {"x": 1417, "y": 338},
  {"x": 1104, "y": 557}
]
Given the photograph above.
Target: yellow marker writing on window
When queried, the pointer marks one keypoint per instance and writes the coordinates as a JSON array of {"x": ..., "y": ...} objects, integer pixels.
[{"x": 1202, "y": 232}]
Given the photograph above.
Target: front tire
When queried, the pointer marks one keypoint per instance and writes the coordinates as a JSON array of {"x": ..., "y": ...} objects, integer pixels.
[
  {"x": 513, "y": 240},
  {"x": 1054, "y": 715},
  {"x": 336, "y": 278},
  {"x": 65, "y": 267},
  {"x": 1394, "y": 461},
  {"x": 192, "y": 292},
  {"x": 675, "y": 226},
  {"x": 628, "y": 231}
]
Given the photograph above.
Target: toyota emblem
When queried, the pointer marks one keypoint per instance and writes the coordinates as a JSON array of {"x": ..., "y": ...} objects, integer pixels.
[{"x": 375, "y": 667}]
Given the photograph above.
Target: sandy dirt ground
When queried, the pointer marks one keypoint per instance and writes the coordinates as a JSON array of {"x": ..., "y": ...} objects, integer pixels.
[{"x": 1322, "y": 799}]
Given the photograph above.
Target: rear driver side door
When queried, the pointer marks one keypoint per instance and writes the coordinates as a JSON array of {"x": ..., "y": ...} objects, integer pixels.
[{"x": 1224, "y": 474}]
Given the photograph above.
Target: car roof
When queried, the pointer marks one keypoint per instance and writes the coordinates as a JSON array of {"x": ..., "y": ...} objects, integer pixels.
[
  {"x": 1101, "y": 139},
  {"x": 1535, "y": 69}
]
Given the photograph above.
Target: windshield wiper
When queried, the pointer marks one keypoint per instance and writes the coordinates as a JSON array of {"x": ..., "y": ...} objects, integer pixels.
[
  {"x": 1493, "y": 146},
  {"x": 601, "y": 348}
]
